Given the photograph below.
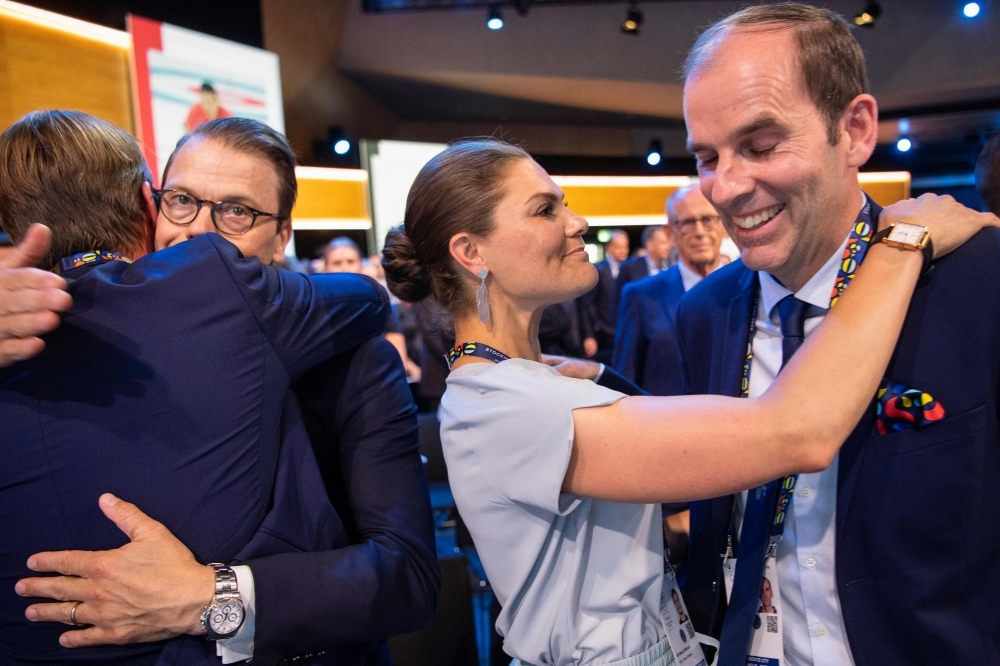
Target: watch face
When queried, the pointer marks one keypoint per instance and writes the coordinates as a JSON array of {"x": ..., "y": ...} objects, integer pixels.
[
  {"x": 226, "y": 617},
  {"x": 906, "y": 233}
]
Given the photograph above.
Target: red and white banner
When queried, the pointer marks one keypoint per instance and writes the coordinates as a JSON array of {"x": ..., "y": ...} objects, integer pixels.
[{"x": 183, "y": 78}]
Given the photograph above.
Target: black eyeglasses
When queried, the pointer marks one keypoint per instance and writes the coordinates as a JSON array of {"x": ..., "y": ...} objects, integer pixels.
[
  {"x": 688, "y": 224},
  {"x": 232, "y": 219}
]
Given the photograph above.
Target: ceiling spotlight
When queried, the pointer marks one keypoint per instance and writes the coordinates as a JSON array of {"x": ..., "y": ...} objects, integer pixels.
[
  {"x": 341, "y": 146},
  {"x": 632, "y": 21},
  {"x": 655, "y": 154},
  {"x": 904, "y": 144},
  {"x": 494, "y": 21},
  {"x": 867, "y": 18},
  {"x": 971, "y": 10}
]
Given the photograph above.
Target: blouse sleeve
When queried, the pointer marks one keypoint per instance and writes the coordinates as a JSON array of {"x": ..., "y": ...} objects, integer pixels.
[{"x": 529, "y": 424}]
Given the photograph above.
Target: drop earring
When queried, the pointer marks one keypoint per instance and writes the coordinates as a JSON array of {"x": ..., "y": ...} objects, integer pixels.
[{"x": 482, "y": 304}]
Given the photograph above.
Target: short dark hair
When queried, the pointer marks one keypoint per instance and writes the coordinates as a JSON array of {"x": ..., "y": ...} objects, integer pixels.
[
  {"x": 253, "y": 138},
  {"x": 988, "y": 174},
  {"x": 80, "y": 176},
  {"x": 207, "y": 87},
  {"x": 648, "y": 232},
  {"x": 833, "y": 65},
  {"x": 456, "y": 191}
]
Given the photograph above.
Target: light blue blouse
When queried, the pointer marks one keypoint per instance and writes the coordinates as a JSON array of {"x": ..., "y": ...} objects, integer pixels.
[{"x": 579, "y": 579}]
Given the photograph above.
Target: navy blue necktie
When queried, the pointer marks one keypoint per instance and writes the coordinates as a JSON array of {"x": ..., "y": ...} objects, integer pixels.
[{"x": 755, "y": 535}]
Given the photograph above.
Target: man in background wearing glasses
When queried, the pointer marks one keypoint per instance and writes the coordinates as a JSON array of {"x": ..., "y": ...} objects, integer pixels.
[{"x": 646, "y": 349}]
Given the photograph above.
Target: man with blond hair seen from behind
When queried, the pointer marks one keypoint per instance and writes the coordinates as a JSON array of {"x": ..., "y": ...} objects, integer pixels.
[{"x": 889, "y": 556}]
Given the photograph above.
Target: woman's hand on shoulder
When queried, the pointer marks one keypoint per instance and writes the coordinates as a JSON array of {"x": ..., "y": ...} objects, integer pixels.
[
  {"x": 950, "y": 223},
  {"x": 572, "y": 367}
]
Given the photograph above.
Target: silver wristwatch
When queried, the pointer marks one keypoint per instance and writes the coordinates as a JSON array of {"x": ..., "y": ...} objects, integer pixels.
[{"x": 224, "y": 616}]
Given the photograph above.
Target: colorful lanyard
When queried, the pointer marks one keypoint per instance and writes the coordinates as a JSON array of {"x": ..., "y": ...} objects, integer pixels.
[
  {"x": 475, "y": 349},
  {"x": 88, "y": 258},
  {"x": 854, "y": 254}
]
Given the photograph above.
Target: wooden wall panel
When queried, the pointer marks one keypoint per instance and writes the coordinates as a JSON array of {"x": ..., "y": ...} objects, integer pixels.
[
  {"x": 47, "y": 68},
  {"x": 331, "y": 194}
]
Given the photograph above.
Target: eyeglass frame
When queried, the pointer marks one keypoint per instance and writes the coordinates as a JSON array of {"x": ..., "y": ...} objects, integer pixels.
[
  {"x": 214, "y": 204},
  {"x": 687, "y": 225}
]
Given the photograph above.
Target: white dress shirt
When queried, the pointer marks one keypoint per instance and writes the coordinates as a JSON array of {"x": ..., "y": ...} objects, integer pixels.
[
  {"x": 654, "y": 266},
  {"x": 615, "y": 266},
  {"x": 240, "y": 646},
  {"x": 812, "y": 624},
  {"x": 690, "y": 277}
]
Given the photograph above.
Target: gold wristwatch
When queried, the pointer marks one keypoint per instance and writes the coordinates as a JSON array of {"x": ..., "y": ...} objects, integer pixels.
[{"x": 906, "y": 236}]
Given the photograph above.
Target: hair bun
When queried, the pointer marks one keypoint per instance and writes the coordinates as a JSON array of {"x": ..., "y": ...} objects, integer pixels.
[{"x": 406, "y": 275}]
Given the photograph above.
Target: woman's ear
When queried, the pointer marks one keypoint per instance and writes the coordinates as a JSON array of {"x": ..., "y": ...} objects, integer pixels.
[{"x": 465, "y": 250}]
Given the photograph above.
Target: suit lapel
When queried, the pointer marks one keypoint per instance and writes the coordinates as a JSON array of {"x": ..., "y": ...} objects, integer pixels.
[
  {"x": 728, "y": 374},
  {"x": 670, "y": 295},
  {"x": 852, "y": 453}
]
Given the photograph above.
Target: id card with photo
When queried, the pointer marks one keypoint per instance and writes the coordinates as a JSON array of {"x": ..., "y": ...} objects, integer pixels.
[
  {"x": 766, "y": 646},
  {"x": 677, "y": 622}
]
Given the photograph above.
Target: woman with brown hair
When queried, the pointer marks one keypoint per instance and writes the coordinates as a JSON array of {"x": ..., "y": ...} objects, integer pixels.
[{"x": 559, "y": 479}]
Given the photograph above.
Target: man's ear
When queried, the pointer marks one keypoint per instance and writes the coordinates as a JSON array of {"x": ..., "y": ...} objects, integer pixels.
[
  {"x": 284, "y": 235},
  {"x": 465, "y": 250},
  {"x": 860, "y": 129}
]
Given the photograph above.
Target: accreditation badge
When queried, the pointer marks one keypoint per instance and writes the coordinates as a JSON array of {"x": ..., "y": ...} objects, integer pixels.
[
  {"x": 766, "y": 646},
  {"x": 677, "y": 622}
]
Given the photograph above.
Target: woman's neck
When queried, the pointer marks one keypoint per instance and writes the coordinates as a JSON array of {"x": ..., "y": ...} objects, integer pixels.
[{"x": 510, "y": 331}]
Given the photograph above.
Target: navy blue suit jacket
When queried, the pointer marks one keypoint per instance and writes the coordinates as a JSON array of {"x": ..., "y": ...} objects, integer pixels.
[
  {"x": 631, "y": 270},
  {"x": 601, "y": 306},
  {"x": 646, "y": 348},
  {"x": 918, "y": 511},
  {"x": 165, "y": 385},
  {"x": 380, "y": 575}
]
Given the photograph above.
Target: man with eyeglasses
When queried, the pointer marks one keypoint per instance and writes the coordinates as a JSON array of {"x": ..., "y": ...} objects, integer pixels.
[
  {"x": 372, "y": 571},
  {"x": 646, "y": 349}
]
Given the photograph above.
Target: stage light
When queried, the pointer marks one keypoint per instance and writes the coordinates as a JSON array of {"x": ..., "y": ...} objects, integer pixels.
[
  {"x": 342, "y": 146},
  {"x": 603, "y": 235},
  {"x": 867, "y": 18},
  {"x": 632, "y": 21},
  {"x": 904, "y": 144},
  {"x": 971, "y": 9},
  {"x": 494, "y": 20},
  {"x": 655, "y": 154}
]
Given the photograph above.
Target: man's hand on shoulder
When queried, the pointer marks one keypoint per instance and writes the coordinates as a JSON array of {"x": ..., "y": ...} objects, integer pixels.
[
  {"x": 30, "y": 299},
  {"x": 148, "y": 590}
]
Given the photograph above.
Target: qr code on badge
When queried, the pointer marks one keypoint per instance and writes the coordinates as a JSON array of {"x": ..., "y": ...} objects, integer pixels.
[{"x": 772, "y": 624}]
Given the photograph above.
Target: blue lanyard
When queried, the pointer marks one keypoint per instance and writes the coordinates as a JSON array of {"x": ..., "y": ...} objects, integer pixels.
[
  {"x": 92, "y": 257},
  {"x": 854, "y": 254},
  {"x": 477, "y": 349}
]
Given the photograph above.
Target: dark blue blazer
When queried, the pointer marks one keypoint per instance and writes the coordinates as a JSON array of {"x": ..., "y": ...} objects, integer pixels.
[
  {"x": 646, "y": 348},
  {"x": 380, "y": 577},
  {"x": 631, "y": 270},
  {"x": 600, "y": 306},
  {"x": 918, "y": 510},
  {"x": 165, "y": 385}
]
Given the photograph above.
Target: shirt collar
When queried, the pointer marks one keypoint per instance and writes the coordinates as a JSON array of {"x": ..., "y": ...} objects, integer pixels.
[
  {"x": 815, "y": 292},
  {"x": 653, "y": 265},
  {"x": 688, "y": 276}
]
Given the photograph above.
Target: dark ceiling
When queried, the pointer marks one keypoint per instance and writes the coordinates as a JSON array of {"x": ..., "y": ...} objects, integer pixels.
[{"x": 238, "y": 20}]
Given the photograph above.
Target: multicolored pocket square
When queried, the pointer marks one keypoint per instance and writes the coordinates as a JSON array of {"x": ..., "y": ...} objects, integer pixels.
[{"x": 901, "y": 407}]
